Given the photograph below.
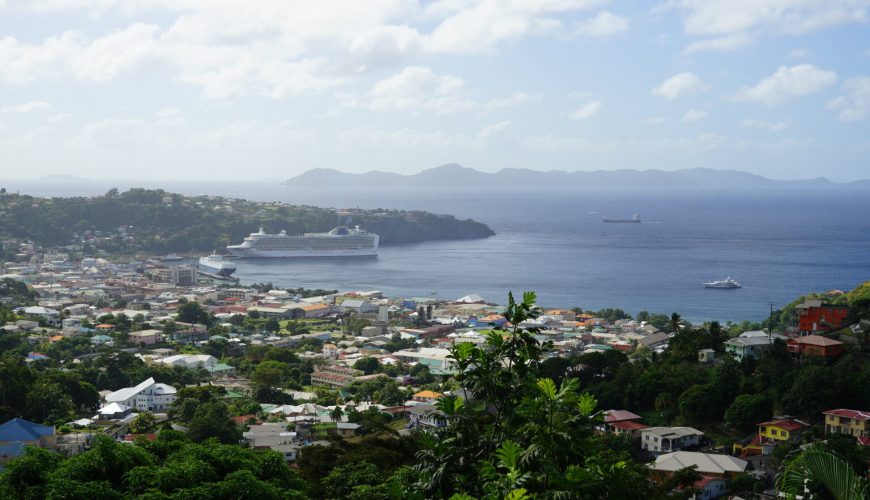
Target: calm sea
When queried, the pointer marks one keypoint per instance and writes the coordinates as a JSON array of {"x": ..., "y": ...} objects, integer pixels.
[{"x": 779, "y": 245}]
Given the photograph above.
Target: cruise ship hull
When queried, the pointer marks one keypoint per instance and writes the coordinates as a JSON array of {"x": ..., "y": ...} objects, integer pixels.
[{"x": 250, "y": 253}]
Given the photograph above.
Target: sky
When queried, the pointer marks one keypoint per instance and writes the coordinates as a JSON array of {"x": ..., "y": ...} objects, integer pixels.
[{"x": 267, "y": 89}]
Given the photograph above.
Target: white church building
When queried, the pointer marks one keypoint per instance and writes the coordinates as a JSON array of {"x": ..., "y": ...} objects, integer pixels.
[{"x": 147, "y": 396}]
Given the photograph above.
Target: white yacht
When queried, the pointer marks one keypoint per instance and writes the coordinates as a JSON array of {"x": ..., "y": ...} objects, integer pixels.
[
  {"x": 342, "y": 241},
  {"x": 726, "y": 283}
]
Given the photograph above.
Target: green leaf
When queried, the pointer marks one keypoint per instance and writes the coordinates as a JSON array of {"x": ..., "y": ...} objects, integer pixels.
[
  {"x": 587, "y": 404},
  {"x": 509, "y": 454},
  {"x": 547, "y": 388},
  {"x": 517, "y": 494}
]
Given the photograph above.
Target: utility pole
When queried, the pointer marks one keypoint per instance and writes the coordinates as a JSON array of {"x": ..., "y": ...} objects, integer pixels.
[{"x": 770, "y": 325}]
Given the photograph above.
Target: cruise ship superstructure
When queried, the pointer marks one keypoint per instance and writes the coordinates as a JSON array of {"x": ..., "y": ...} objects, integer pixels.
[{"x": 342, "y": 241}]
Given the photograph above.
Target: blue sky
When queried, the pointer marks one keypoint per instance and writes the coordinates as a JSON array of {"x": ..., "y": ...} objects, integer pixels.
[{"x": 270, "y": 88}]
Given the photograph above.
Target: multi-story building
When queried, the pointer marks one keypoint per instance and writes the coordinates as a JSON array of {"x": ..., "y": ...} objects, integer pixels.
[
  {"x": 816, "y": 345},
  {"x": 815, "y": 316},
  {"x": 147, "y": 396},
  {"x": 781, "y": 430},
  {"x": 851, "y": 422},
  {"x": 668, "y": 439}
]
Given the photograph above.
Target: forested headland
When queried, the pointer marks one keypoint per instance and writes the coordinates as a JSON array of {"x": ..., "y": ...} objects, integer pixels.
[{"x": 153, "y": 220}]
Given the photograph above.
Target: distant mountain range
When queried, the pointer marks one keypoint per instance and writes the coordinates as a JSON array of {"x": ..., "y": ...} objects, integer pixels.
[{"x": 453, "y": 175}]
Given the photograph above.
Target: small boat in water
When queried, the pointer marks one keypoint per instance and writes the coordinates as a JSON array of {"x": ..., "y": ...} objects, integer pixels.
[
  {"x": 172, "y": 258},
  {"x": 726, "y": 283},
  {"x": 635, "y": 219}
]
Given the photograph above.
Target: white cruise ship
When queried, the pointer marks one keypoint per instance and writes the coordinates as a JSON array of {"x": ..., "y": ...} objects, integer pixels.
[
  {"x": 217, "y": 264},
  {"x": 340, "y": 242}
]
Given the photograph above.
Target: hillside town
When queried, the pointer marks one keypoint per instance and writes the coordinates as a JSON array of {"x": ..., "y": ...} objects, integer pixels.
[{"x": 145, "y": 342}]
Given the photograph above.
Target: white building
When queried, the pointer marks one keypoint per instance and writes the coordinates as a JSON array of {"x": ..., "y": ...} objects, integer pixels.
[
  {"x": 190, "y": 360},
  {"x": 668, "y": 439},
  {"x": 147, "y": 396},
  {"x": 708, "y": 464}
]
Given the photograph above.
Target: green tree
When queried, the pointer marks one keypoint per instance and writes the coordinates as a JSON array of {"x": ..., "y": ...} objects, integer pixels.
[
  {"x": 367, "y": 365},
  {"x": 818, "y": 470},
  {"x": 143, "y": 423},
  {"x": 192, "y": 312},
  {"x": 747, "y": 410},
  {"x": 212, "y": 420}
]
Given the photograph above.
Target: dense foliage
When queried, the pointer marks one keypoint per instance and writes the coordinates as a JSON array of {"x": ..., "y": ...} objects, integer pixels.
[
  {"x": 170, "y": 467},
  {"x": 156, "y": 221}
]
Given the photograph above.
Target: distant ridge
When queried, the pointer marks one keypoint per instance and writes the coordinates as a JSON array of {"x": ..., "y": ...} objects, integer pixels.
[{"x": 453, "y": 175}]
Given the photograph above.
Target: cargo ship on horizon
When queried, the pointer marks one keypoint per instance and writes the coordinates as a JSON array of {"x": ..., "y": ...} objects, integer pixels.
[{"x": 635, "y": 219}]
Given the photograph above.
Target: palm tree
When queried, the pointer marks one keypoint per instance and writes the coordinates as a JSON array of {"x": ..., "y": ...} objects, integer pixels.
[
  {"x": 336, "y": 414},
  {"x": 675, "y": 323},
  {"x": 817, "y": 466}
]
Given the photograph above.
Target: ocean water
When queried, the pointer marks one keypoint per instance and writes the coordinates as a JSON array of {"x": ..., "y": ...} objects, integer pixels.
[{"x": 779, "y": 245}]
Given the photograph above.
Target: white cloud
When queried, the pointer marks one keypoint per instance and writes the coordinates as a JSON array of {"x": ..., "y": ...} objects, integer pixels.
[
  {"x": 798, "y": 54},
  {"x": 518, "y": 99},
  {"x": 719, "y": 44},
  {"x": 59, "y": 118},
  {"x": 269, "y": 48},
  {"x": 694, "y": 115},
  {"x": 602, "y": 25},
  {"x": 724, "y": 22},
  {"x": 169, "y": 117},
  {"x": 71, "y": 55},
  {"x": 587, "y": 110},
  {"x": 473, "y": 26},
  {"x": 765, "y": 125},
  {"x": 414, "y": 89},
  {"x": 417, "y": 89},
  {"x": 855, "y": 105},
  {"x": 788, "y": 82},
  {"x": 256, "y": 134},
  {"x": 27, "y": 107},
  {"x": 656, "y": 120},
  {"x": 680, "y": 85}
]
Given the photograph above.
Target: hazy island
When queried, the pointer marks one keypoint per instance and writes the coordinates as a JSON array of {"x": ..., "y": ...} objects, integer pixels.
[
  {"x": 453, "y": 175},
  {"x": 153, "y": 220}
]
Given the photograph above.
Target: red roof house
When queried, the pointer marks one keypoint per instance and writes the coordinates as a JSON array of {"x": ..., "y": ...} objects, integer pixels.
[{"x": 816, "y": 345}]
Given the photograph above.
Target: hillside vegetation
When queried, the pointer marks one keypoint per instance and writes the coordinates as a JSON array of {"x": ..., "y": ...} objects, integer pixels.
[{"x": 158, "y": 221}]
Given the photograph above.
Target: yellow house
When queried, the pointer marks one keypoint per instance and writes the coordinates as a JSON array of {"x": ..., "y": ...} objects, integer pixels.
[
  {"x": 852, "y": 422},
  {"x": 781, "y": 430}
]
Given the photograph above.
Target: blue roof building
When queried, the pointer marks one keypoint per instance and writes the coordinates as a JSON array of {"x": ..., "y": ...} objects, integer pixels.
[
  {"x": 11, "y": 451},
  {"x": 27, "y": 432}
]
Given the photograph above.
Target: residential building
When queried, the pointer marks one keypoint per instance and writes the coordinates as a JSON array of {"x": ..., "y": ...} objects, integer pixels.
[
  {"x": 331, "y": 379},
  {"x": 437, "y": 359},
  {"x": 425, "y": 416},
  {"x": 817, "y": 346},
  {"x": 426, "y": 396},
  {"x": 815, "y": 316},
  {"x": 781, "y": 430},
  {"x": 146, "y": 337},
  {"x": 147, "y": 396},
  {"x": 621, "y": 422},
  {"x": 192, "y": 361},
  {"x": 707, "y": 464},
  {"x": 330, "y": 350},
  {"x": 274, "y": 436},
  {"x": 26, "y": 433},
  {"x": 709, "y": 487},
  {"x": 668, "y": 439},
  {"x": 852, "y": 422},
  {"x": 750, "y": 344}
]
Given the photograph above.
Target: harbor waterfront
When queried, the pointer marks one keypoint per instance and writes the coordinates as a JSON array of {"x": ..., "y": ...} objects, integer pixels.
[{"x": 777, "y": 245}]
